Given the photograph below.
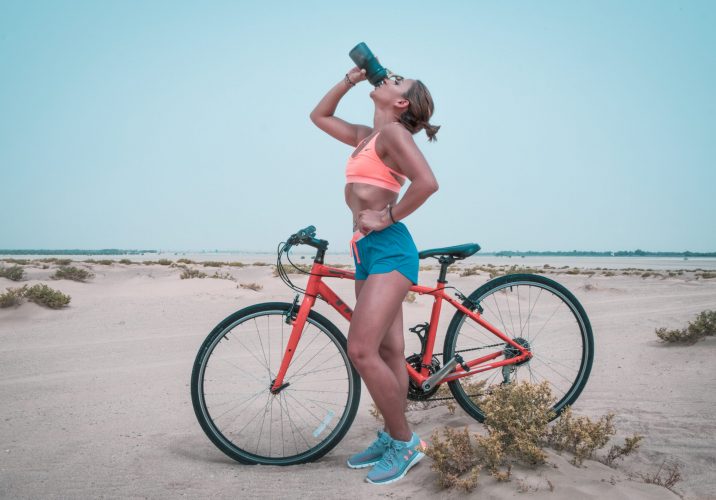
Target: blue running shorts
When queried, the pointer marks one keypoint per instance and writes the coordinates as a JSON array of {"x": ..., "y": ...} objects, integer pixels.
[{"x": 391, "y": 249}]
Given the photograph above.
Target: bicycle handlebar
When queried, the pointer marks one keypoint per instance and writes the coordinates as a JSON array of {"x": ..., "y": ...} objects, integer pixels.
[{"x": 306, "y": 236}]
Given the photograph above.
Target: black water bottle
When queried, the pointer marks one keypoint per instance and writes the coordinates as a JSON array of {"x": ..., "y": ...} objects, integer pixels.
[{"x": 365, "y": 59}]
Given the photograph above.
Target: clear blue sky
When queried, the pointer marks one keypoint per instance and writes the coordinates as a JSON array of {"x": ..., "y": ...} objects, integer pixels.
[{"x": 184, "y": 125}]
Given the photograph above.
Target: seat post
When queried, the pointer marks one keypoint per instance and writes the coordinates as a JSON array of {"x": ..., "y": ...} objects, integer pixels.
[{"x": 445, "y": 261}]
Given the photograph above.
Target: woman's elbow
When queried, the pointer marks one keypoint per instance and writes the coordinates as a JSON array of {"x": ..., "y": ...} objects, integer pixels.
[{"x": 432, "y": 186}]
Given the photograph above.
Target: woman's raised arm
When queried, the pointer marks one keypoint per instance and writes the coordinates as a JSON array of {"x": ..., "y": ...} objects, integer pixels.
[{"x": 322, "y": 115}]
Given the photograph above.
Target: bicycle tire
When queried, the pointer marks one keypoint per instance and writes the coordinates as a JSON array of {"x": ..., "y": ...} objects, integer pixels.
[
  {"x": 564, "y": 358},
  {"x": 226, "y": 392}
]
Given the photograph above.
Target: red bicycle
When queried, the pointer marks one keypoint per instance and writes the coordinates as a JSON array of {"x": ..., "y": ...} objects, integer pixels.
[{"x": 272, "y": 383}]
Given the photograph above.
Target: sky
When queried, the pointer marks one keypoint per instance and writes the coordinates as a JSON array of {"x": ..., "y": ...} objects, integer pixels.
[{"x": 178, "y": 125}]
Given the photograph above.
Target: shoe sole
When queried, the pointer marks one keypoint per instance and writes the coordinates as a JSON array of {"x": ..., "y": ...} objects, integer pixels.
[
  {"x": 418, "y": 457},
  {"x": 362, "y": 466}
]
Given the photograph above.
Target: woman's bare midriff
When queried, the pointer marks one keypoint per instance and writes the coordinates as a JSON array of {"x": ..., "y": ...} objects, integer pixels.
[{"x": 366, "y": 197}]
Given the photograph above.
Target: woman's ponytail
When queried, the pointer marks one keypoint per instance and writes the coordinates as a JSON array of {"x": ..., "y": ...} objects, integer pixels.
[{"x": 420, "y": 109}]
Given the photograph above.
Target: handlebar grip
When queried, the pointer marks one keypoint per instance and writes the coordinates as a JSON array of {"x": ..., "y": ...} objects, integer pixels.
[{"x": 302, "y": 235}]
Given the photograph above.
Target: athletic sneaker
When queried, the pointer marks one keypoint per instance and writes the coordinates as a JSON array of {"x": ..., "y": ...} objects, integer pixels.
[
  {"x": 372, "y": 454},
  {"x": 397, "y": 461}
]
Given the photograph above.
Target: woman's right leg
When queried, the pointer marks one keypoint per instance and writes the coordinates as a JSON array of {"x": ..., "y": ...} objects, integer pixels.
[
  {"x": 380, "y": 301},
  {"x": 392, "y": 349}
]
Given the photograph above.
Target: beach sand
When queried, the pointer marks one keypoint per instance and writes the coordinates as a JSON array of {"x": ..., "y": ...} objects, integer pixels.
[{"x": 96, "y": 403}]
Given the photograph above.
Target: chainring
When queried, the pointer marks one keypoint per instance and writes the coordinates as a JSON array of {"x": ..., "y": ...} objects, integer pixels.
[{"x": 415, "y": 392}]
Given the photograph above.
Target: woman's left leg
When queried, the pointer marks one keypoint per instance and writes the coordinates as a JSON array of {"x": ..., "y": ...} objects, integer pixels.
[{"x": 380, "y": 300}]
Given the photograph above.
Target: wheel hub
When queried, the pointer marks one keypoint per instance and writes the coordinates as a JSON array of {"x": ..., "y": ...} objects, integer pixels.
[{"x": 513, "y": 352}]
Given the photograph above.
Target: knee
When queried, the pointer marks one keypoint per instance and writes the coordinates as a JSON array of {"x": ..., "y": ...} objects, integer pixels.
[
  {"x": 392, "y": 351},
  {"x": 359, "y": 354}
]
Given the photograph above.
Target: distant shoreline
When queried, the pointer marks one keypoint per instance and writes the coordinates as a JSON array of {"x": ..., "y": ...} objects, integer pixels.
[{"x": 502, "y": 253}]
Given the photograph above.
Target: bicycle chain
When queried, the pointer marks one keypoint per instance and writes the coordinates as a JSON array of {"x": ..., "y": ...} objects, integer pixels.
[{"x": 465, "y": 350}]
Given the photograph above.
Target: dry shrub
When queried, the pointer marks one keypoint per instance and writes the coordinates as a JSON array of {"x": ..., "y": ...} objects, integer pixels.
[
  {"x": 410, "y": 297},
  {"x": 516, "y": 418},
  {"x": 192, "y": 273},
  {"x": 46, "y": 296},
  {"x": 14, "y": 273},
  {"x": 125, "y": 261},
  {"x": 212, "y": 263},
  {"x": 186, "y": 261},
  {"x": 581, "y": 436},
  {"x": 455, "y": 459},
  {"x": 222, "y": 276},
  {"x": 72, "y": 273},
  {"x": 616, "y": 452},
  {"x": 55, "y": 260},
  {"x": 260, "y": 264},
  {"x": 470, "y": 271},
  {"x": 104, "y": 262},
  {"x": 164, "y": 262},
  {"x": 672, "y": 475},
  {"x": 703, "y": 326},
  {"x": 292, "y": 269},
  {"x": 251, "y": 286},
  {"x": 12, "y": 296}
]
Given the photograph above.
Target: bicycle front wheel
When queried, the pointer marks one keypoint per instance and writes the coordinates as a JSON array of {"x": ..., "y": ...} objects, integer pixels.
[
  {"x": 537, "y": 313},
  {"x": 235, "y": 368}
]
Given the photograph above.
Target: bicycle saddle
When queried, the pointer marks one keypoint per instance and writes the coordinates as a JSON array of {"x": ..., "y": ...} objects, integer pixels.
[{"x": 457, "y": 251}]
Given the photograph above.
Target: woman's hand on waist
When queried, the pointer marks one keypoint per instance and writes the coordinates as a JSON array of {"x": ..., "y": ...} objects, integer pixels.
[{"x": 373, "y": 220}]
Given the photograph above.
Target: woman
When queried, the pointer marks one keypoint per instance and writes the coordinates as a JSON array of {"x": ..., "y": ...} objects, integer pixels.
[{"x": 385, "y": 255}]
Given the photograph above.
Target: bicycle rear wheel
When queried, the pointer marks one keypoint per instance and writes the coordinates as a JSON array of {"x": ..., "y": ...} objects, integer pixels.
[
  {"x": 537, "y": 312},
  {"x": 235, "y": 368}
]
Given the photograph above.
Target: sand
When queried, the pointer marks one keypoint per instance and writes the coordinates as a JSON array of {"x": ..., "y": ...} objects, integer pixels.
[{"x": 96, "y": 399}]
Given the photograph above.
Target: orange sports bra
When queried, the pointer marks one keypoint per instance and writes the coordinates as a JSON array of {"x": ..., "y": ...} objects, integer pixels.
[{"x": 366, "y": 167}]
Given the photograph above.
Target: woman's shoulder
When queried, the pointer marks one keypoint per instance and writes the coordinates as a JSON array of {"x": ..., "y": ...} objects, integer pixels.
[{"x": 394, "y": 134}]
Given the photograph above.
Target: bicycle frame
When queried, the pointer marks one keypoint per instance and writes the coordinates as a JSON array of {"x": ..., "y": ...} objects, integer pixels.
[{"x": 317, "y": 288}]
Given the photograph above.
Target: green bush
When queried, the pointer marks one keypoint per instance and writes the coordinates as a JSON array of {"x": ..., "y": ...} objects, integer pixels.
[
  {"x": 12, "y": 296},
  {"x": 14, "y": 273},
  {"x": 703, "y": 326},
  {"x": 46, "y": 296},
  {"x": 72, "y": 273}
]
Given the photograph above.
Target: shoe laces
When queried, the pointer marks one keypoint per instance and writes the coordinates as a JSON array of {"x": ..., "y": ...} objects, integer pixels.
[
  {"x": 390, "y": 457},
  {"x": 381, "y": 441}
]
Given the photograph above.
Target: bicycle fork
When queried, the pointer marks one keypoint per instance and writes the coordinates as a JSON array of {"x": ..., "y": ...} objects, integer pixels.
[{"x": 277, "y": 385}]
